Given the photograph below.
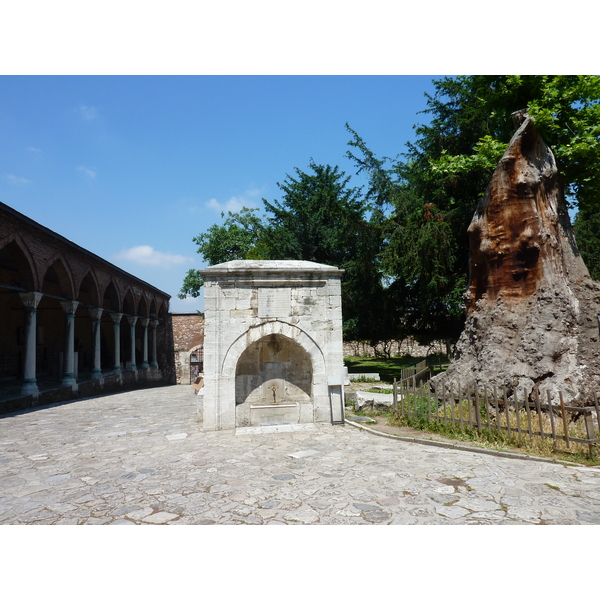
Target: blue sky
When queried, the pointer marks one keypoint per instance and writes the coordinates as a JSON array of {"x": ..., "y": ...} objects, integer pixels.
[{"x": 133, "y": 167}]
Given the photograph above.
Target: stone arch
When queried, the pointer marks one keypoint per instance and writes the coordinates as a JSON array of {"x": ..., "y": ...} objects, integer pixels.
[
  {"x": 88, "y": 298},
  {"x": 59, "y": 274},
  {"x": 111, "y": 299},
  {"x": 152, "y": 308},
  {"x": 273, "y": 370},
  {"x": 130, "y": 348},
  {"x": 54, "y": 312},
  {"x": 88, "y": 290},
  {"x": 315, "y": 403},
  {"x": 16, "y": 255},
  {"x": 129, "y": 303},
  {"x": 257, "y": 332},
  {"x": 16, "y": 274}
]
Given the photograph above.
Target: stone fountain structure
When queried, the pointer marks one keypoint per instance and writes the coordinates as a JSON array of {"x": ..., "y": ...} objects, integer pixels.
[{"x": 273, "y": 344}]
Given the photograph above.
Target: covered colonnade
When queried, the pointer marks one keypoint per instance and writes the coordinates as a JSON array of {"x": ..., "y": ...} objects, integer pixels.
[{"x": 69, "y": 318}]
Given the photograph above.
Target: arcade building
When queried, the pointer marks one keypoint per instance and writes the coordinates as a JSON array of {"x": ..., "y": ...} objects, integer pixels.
[{"x": 71, "y": 323}]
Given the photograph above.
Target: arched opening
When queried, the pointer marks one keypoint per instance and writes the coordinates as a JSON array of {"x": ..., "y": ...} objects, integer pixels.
[
  {"x": 129, "y": 311},
  {"x": 273, "y": 379},
  {"x": 16, "y": 274},
  {"x": 110, "y": 304},
  {"x": 196, "y": 361},
  {"x": 84, "y": 342},
  {"x": 52, "y": 323}
]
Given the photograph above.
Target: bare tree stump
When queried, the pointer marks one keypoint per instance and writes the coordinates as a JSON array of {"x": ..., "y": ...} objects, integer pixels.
[{"x": 532, "y": 308}]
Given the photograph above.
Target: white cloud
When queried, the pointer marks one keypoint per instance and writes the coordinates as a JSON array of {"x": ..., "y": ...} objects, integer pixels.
[
  {"x": 17, "y": 180},
  {"x": 253, "y": 192},
  {"x": 234, "y": 204},
  {"x": 88, "y": 113},
  {"x": 32, "y": 149},
  {"x": 89, "y": 172},
  {"x": 148, "y": 256}
]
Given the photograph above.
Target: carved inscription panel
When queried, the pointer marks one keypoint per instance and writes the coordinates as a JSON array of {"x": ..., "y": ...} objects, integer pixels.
[{"x": 274, "y": 302}]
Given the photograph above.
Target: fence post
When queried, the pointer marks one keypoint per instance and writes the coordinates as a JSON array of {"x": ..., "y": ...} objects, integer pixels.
[
  {"x": 597, "y": 408},
  {"x": 528, "y": 411},
  {"x": 476, "y": 408},
  {"x": 395, "y": 401},
  {"x": 506, "y": 411},
  {"x": 497, "y": 406},
  {"x": 516, "y": 398},
  {"x": 539, "y": 412},
  {"x": 487, "y": 408},
  {"x": 564, "y": 419},
  {"x": 551, "y": 409},
  {"x": 589, "y": 426}
]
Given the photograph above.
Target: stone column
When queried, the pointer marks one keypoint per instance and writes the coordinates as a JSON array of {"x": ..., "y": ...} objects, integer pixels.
[
  {"x": 153, "y": 361},
  {"x": 69, "y": 306},
  {"x": 132, "y": 322},
  {"x": 96, "y": 314},
  {"x": 116, "y": 318},
  {"x": 30, "y": 300},
  {"x": 144, "y": 323}
]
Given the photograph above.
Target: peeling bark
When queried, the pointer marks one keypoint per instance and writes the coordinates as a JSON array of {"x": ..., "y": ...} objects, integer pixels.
[{"x": 532, "y": 308}]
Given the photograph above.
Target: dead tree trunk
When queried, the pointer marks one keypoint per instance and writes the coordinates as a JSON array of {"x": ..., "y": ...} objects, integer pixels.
[{"x": 532, "y": 309}]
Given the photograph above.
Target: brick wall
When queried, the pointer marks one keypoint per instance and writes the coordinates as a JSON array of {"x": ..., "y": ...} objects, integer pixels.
[
  {"x": 188, "y": 334},
  {"x": 188, "y": 330}
]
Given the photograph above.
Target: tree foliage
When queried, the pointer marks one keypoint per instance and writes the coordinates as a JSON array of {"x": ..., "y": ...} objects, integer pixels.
[
  {"x": 238, "y": 238},
  {"x": 431, "y": 190},
  {"x": 320, "y": 218},
  {"x": 587, "y": 235},
  {"x": 317, "y": 219}
]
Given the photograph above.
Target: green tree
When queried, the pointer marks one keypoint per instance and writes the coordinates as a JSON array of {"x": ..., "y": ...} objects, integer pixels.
[
  {"x": 317, "y": 219},
  {"x": 432, "y": 190},
  {"x": 238, "y": 238},
  {"x": 587, "y": 235},
  {"x": 321, "y": 218}
]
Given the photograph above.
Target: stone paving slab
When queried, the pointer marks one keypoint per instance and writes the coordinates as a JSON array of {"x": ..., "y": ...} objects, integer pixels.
[{"x": 141, "y": 457}]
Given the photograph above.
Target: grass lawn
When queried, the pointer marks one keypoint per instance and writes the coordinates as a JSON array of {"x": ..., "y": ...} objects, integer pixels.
[{"x": 388, "y": 368}]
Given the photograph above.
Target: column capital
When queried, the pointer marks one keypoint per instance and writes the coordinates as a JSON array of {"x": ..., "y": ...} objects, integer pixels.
[
  {"x": 132, "y": 320},
  {"x": 144, "y": 322},
  {"x": 69, "y": 306},
  {"x": 116, "y": 317},
  {"x": 154, "y": 323},
  {"x": 31, "y": 299},
  {"x": 96, "y": 313}
]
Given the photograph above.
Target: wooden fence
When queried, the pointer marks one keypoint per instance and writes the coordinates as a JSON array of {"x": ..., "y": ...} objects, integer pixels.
[
  {"x": 502, "y": 413},
  {"x": 412, "y": 375}
]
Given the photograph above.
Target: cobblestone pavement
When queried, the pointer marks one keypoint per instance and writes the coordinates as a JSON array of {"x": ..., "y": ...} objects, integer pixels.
[{"x": 142, "y": 458}]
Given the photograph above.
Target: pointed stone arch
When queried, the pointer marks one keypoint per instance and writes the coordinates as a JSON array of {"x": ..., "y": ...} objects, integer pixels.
[
  {"x": 15, "y": 256},
  {"x": 58, "y": 272},
  {"x": 143, "y": 310},
  {"x": 111, "y": 299},
  {"x": 88, "y": 290}
]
